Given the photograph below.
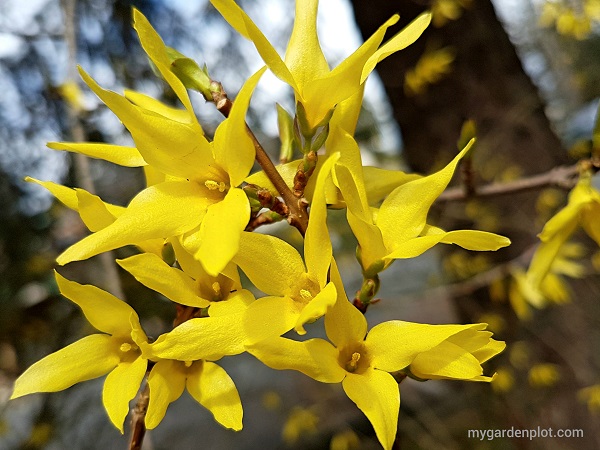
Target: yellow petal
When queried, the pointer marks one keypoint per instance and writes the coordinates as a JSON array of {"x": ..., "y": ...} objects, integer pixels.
[
  {"x": 491, "y": 349},
  {"x": 160, "y": 211},
  {"x": 475, "y": 240},
  {"x": 233, "y": 148},
  {"x": 590, "y": 218},
  {"x": 413, "y": 247},
  {"x": 446, "y": 360},
  {"x": 316, "y": 358},
  {"x": 236, "y": 303},
  {"x": 403, "y": 213},
  {"x": 403, "y": 39},
  {"x": 317, "y": 243},
  {"x": 369, "y": 239},
  {"x": 260, "y": 256},
  {"x": 153, "y": 272},
  {"x": 322, "y": 94},
  {"x": 94, "y": 212},
  {"x": 117, "y": 154},
  {"x": 153, "y": 175},
  {"x": 269, "y": 317},
  {"x": 377, "y": 395},
  {"x": 240, "y": 21},
  {"x": 120, "y": 387},
  {"x": 348, "y": 177},
  {"x": 104, "y": 311},
  {"x": 203, "y": 338},
  {"x": 380, "y": 182},
  {"x": 304, "y": 56},
  {"x": 317, "y": 307},
  {"x": 166, "y": 382},
  {"x": 212, "y": 387},
  {"x": 154, "y": 105},
  {"x": 547, "y": 251},
  {"x": 64, "y": 194},
  {"x": 347, "y": 112},
  {"x": 157, "y": 51},
  {"x": 563, "y": 220},
  {"x": 88, "y": 358},
  {"x": 176, "y": 148},
  {"x": 344, "y": 323},
  {"x": 394, "y": 344},
  {"x": 221, "y": 229}
]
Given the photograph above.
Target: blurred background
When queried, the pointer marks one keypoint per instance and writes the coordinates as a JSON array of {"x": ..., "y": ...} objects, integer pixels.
[{"x": 526, "y": 72}]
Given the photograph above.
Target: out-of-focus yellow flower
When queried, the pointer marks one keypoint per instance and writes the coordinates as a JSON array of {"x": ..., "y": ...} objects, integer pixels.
[
  {"x": 583, "y": 209},
  {"x": 519, "y": 354},
  {"x": 496, "y": 322},
  {"x": 503, "y": 381},
  {"x": 345, "y": 440},
  {"x": 447, "y": 10},
  {"x": 553, "y": 287},
  {"x": 544, "y": 375},
  {"x": 431, "y": 67},
  {"x": 299, "y": 422},
  {"x": 591, "y": 396},
  {"x": 571, "y": 21},
  {"x": 271, "y": 400},
  {"x": 71, "y": 92}
]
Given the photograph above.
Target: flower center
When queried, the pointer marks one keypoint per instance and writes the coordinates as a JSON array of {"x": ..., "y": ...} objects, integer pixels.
[
  {"x": 216, "y": 287},
  {"x": 352, "y": 365},
  {"x": 127, "y": 347},
  {"x": 354, "y": 358},
  {"x": 305, "y": 294},
  {"x": 214, "y": 185}
]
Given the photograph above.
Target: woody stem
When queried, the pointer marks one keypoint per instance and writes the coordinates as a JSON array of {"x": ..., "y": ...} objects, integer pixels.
[{"x": 298, "y": 215}]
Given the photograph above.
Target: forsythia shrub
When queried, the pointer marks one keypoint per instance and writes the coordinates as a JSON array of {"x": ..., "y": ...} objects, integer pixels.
[{"x": 194, "y": 222}]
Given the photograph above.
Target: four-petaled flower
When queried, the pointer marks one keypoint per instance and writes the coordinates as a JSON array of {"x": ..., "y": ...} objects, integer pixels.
[
  {"x": 317, "y": 88},
  {"x": 117, "y": 353},
  {"x": 398, "y": 229},
  {"x": 200, "y": 200},
  {"x": 583, "y": 209},
  {"x": 363, "y": 362}
]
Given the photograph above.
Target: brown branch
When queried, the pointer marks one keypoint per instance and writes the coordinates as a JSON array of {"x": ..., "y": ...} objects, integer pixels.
[
  {"x": 563, "y": 177},
  {"x": 138, "y": 416},
  {"x": 298, "y": 214}
]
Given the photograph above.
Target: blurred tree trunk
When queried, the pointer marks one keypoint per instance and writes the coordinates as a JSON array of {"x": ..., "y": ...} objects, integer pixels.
[{"x": 487, "y": 84}]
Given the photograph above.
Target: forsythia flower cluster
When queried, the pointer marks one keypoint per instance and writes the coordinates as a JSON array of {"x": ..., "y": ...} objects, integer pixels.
[{"x": 199, "y": 200}]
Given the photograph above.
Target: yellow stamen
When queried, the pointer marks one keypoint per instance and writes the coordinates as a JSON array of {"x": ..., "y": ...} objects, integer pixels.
[
  {"x": 188, "y": 363},
  {"x": 306, "y": 295},
  {"x": 213, "y": 185},
  {"x": 353, "y": 363},
  {"x": 217, "y": 288},
  {"x": 125, "y": 347}
]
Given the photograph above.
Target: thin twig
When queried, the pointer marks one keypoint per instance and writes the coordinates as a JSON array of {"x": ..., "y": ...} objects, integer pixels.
[
  {"x": 138, "y": 415},
  {"x": 563, "y": 177}
]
